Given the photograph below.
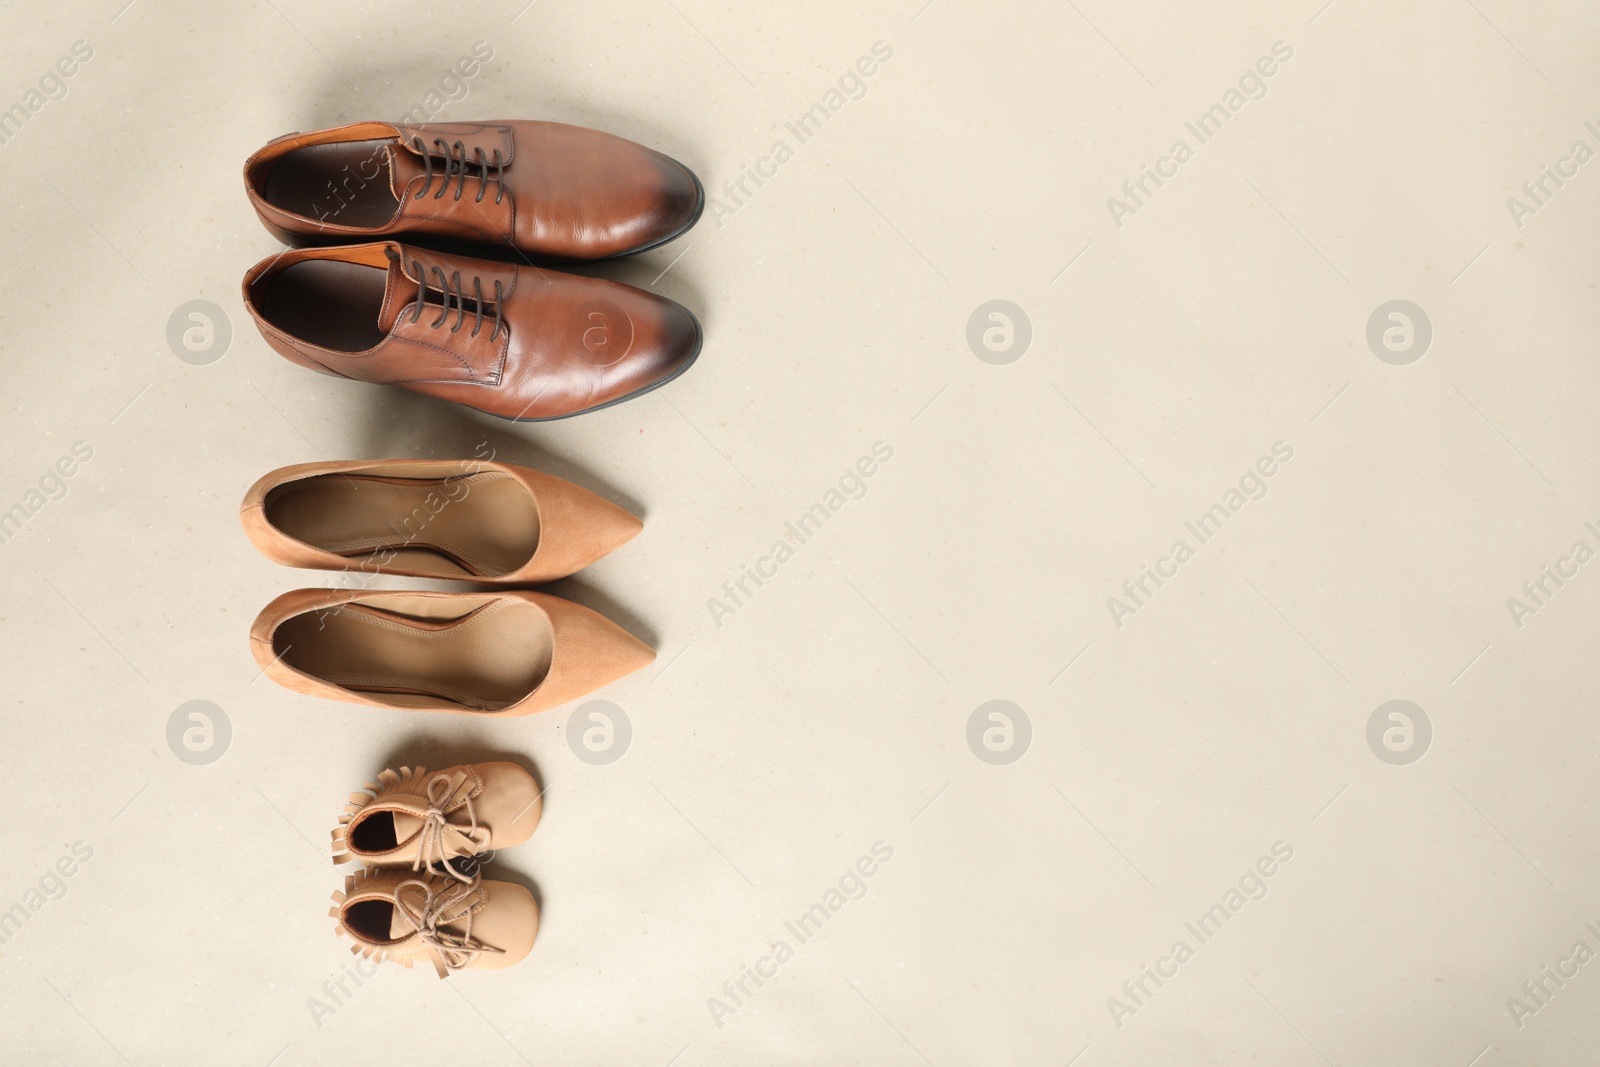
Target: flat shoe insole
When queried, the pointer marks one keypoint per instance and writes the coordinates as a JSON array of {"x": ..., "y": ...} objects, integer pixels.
[
  {"x": 329, "y": 303},
  {"x": 345, "y": 183},
  {"x": 474, "y": 526},
  {"x": 484, "y": 660}
]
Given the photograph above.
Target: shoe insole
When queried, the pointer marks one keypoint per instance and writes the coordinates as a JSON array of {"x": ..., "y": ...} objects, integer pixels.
[
  {"x": 382, "y": 831},
  {"x": 484, "y": 660},
  {"x": 329, "y": 303},
  {"x": 475, "y": 526},
  {"x": 374, "y": 833},
  {"x": 345, "y": 183},
  {"x": 375, "y": 922}
]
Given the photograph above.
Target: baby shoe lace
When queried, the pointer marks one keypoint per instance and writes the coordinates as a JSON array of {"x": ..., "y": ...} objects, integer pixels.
[
  {"x": 435, "y": 824},
  {"x": 455, "y": 166},
  {"x": 425, "y": 907}
]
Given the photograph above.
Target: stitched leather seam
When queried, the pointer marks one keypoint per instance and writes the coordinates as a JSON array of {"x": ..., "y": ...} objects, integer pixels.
[
  {"x": 298, "y": 345},
  {"x": 465, "y": 129},
  {"x": 410, "y": 685},
  {"x": 388, "y": 299},
  {"x": 457, "y": 626},
  {"x": 379, "y": 486},
  {"x": 375, "y": 544},
  {"x": 426, "y": 344},
  {"x": 407, "y": 198}
]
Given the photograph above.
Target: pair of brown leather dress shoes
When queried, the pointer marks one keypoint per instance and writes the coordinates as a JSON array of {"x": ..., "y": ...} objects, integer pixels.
[
  {"x": 496, "y": 652},
  {"x": 396, "y": 302}
]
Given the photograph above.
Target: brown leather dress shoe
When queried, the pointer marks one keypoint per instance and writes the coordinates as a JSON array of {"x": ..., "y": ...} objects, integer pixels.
[
  {"x": 520, "y": 342},
  {"x": 544, "y": 188},
  {"x": 474, "y": 520},
  {"x": 494, "y": 654}
]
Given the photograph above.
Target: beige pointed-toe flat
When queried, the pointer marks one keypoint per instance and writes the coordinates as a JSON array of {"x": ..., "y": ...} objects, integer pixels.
[
  {"x": 474, "y": 520},
  {"x": 501, "y": 652},
  {"x": 410, "y": 818}
]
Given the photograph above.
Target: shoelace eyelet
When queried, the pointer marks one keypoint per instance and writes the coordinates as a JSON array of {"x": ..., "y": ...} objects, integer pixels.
[
  {"x": 455, "y": 166},
  {"x": 455, "y": 298}
]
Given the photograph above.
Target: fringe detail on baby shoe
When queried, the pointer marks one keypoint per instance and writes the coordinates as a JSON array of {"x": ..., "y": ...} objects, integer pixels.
[
  {"x": 405, "y": 780},
  {"x": 353, "y": 885}
]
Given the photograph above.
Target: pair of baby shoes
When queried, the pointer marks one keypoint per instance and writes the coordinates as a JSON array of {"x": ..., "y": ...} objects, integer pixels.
[{"x": 422, "y": 840}]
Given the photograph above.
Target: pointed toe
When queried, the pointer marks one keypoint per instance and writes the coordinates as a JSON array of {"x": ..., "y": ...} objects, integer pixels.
[
  {"x": 576, "y": 527},
  {"x": 618, "y": 527},
  {"x": 589, "y": 652}
]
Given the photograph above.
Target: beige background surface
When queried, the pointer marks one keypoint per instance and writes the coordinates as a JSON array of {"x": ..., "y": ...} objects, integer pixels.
[{"x": 1164, "y": 757}]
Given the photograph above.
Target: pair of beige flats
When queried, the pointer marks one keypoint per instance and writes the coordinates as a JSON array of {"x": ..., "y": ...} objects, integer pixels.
[
  {"x": 500, "y": 651},
  {"x": 420, "y": 895}
]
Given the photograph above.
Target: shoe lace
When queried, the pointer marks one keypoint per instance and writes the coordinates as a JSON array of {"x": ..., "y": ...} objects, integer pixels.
[
  {"x": 424, "y": 905},
  {"x": 455, "y": 297},
  {"x": 435, "y": 824},
  {"x": 455, "y": 166}
]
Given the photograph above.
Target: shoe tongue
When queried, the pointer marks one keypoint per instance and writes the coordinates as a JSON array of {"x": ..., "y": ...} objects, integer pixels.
[
  {"x": 406, "y": 825},
  {"x": 404, "y": 164},
  {"x": 399, "y": 292},
  {"x": 399, "y": 928}
]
